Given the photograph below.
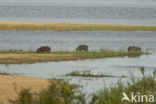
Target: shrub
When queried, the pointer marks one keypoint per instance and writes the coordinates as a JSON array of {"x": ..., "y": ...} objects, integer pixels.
[{"x": 57, "y": 93}]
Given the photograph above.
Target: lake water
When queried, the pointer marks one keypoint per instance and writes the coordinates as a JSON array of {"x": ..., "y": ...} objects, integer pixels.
[
  {"x": 109, "y": 66},
  {"x": 134, "y": 12},
  {"x": 68, "y": 40}
]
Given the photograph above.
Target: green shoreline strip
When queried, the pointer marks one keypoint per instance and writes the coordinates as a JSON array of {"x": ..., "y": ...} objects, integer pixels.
[
  {"x": 45, "y": 26},
  {"x": 33, "y": 57}
]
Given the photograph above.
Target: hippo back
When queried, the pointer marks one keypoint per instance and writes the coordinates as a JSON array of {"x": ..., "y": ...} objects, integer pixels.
[
  {"x": 43, "y": 49},
  {"x": 82, "y": 48},
  {"x": 134, "y": 49}
]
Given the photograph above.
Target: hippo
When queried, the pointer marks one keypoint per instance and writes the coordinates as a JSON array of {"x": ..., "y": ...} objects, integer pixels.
[
  {"x": 43, "y": 49},
  {"x": 82, "y": 48},
  {"x": 134, "y": 49},
  {"x": 20, "y": 50}
]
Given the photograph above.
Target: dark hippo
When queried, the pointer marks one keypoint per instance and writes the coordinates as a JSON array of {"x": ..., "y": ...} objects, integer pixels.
[
  {"x": 43, "y": 49},
  {"x": 82, "y": 48},
  {"x": 134, "y": 49}
]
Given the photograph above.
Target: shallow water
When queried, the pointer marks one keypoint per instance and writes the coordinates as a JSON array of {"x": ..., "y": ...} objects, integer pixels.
[
  {"x": 110, "y": 66},
  {"x": 135, "y": 12},
  {"x": 69, "y": 40}
]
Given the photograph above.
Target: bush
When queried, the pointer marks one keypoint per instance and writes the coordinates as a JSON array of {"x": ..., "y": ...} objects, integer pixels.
[
  {"x": 114, "y": 94},
  {"x": 57, "y": 93}
]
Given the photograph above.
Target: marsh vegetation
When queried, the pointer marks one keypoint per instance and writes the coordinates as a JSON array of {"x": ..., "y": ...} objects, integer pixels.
[{"x": 88, "y": 73}]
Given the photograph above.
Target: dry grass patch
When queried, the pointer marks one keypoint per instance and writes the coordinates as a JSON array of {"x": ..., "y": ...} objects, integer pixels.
[{"x": 9, "y": 25}]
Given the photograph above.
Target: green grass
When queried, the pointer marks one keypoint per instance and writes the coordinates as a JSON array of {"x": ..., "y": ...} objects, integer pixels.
[
  {"x": 88, "y": 73},
  {"x": 113, "y": 95},
  {"x": 29, "y": 57},
  {"x": 9, "y": 25},
  {"x": 57, "y": 93}
]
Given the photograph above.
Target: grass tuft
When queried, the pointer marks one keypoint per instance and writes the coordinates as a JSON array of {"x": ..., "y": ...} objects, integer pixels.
[{"x": 87, "y": 73}]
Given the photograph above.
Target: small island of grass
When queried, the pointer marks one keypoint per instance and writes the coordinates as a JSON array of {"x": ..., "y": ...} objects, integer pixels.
[
  {"x": 88, "y": 73},
  {"x": 29, "y": 57}
]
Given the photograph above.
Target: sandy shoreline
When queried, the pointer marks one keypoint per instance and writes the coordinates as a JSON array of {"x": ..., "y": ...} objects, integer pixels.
[
  {"x": 15, "y": 58},
  {"x": 8, "y": 84},
  {"x": 49, "y": 26}
]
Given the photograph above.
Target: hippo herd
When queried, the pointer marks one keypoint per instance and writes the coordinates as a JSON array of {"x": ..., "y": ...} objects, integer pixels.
[{"x": 47, "y": 49}]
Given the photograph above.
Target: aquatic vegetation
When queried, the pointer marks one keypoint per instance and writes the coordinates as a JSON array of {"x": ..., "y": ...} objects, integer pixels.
[
  {"x": 143, "y": 90},
  {"x": 142, "y": 69},
  {"x": 9, "y": 25},
  {"x": 87, "y": 73},
  {"x": 114, "y": 94}
]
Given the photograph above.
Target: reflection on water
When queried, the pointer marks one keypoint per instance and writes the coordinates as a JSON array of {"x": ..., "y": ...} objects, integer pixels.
[{"x": 111, "y": 66}]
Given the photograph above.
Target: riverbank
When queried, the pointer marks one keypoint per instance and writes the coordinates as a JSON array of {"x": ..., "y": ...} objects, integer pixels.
[
  {"x": 33, "y": 57},
  {"x": 10, "y": 86},
  {"x": 45, "y": 26},
  {"x": 63, "y": 92}
]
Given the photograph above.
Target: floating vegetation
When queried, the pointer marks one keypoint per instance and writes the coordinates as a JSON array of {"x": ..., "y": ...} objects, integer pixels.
[{"x": 87, "y": 73}]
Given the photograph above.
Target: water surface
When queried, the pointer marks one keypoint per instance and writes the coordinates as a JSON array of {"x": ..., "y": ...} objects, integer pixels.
[
  {"x": 110, "y": 66},
  {"x": 69, "y": 40},
  {"x": 134, "y": 12}
]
